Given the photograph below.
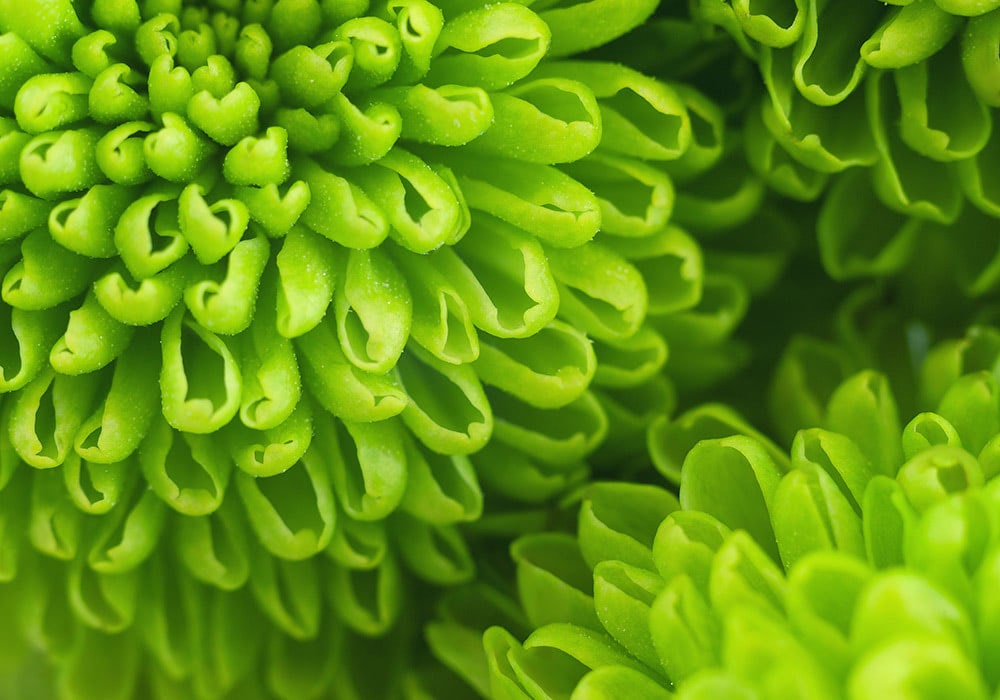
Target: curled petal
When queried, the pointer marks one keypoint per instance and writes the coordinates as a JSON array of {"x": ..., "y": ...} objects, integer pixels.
[
  {"x": 47, "y": 415},
  {"x": 447, "y": 408},
  {"x": 188, "y": 471},
  {"x": 200, "y": 379},
  {"x": 292, "y": 513},
  {"x": 60, "y": 162},
  {"x": 51, "y": 101},
  {"x": 120, "y": 155},
  {"x": 422, "y": 203},
  {"x": 547, "y": 120},
  {"x": 366, "y": 601},
  {"x": 535, "y": 198},
  {"x": 227, "y": 306},
  {"x": 491, "y": 47},
  {"x": 214, "y": 548},
  {"x": 367, "y": 463}
]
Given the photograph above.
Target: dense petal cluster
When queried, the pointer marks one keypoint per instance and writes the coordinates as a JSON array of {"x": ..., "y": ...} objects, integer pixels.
[
  {"x": 887, "y": 114},
  {"x": 287, "y": 285},
  {"x": 860, "y": 564}
]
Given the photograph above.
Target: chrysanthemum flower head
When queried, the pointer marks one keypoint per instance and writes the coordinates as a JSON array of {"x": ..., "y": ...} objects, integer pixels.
[
  {"x": 860, "y": 564},
  {"x": 282, "y": 283},
  {"x": 887, "y": 117}
]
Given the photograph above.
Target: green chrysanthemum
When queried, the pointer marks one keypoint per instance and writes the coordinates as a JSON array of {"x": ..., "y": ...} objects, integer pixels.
[
  {"x": 861, "y": 564},
  {"x": 887, "y": 113},
  {"x": 283, "y": 279}
]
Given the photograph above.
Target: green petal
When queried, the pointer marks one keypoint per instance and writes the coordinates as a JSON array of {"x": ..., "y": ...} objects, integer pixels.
[
  {"x": 288, "y": 592},
  {"x": 450, "y": 115},
  {"x": 214, "y": 548},
  {"x": 623, "y": 595},
  {"x": 51, "y": 101},
  {"x": 823, "y": 590},
  {"x": 302, "y": 668},
  {"x": 106, "y": 602},
  {"x": 904, "y": 180},
  {"x": 168, "y": 622},
  {"x": 358, "y": 544},
  {"x": 685, "y": 545},
  {"x": 93, "y": 339},
  {"x": 549, "y": 369},
  {"x": 863, "y": 409},
  {"x": 565, "y": 111},
  {"x": 918, "y": 666},
  {"x": 128, "y": 534},
  {"x": 115, "y": 96},
  {"x": 120, "y": 155},
  {"x": 670, "y": 441},
  {"x": 367, "y": 133},
  {"x": 226, "y": 306},
  {"x": 419, "y": 24},
  {"x": 306, "y": 276},
  {"x": 559, "y": 436},
  {"x": 823, "y": 139},
  {"x": 810, "y": 513},
  {"x": 367, "y": 465},
  {"x": 600, "y": 292},
  {"x": 440, "y": 489},
  {"x": 553, "y": 581},
  {"x": 579, "y": 26},
  {"x": 46, "y": 275},
  {"x": 773, "y": 24},
  {"x": 145, "y": 301},
  {"x": 434, "y": 553},
  {"x": 22, "y": 60},
  {"x": 96, "y": 488},
  {"x": 827, "y": 70},
  {"x": 515, "y": 474},
  {"x": 20, "y": 213},
  {"x": 972, "y": 406},
  {"x": 175, "y": 152},
  {"x": 48, "y": 414},
  {"x": 490, "y": 47},
  {"x": 635, "y": 199},
  {"x": 684, "y": 630},
  {"x": 937, "y": 87},
  {"x": 292, "y": 513},
  {"x": 447, "y": 408},
  {"x": 373, "y": 309},
  {"x": 734, "y": 479},
  {"x": 366, "y": 601},
  {"x": 744, "y": 576},
  {"x": 982, "y": 68},
  {"x": 25, "y": 346},
  {"x": 640, "y": 117},
  {"x": 910, "y": 36},
  {"x": 535, "y": 198},
  {"x": 888, "y": 515},
  {"x": 86, "y": 225},
  {"x": 340, "y": 387},
  {"x": 936, "y": 473},
  {"x": 377, "y": 50},
  {"x": 200, "y": 380},
  {"x": 188, "y": 471},
  {"x": 442, "y": 322},
  {"x": 309, "y": 77},
  {"x": 340, "y": 210},
  {"x": 56, "y": 526},
  {"x": 507, "y": 284}
]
